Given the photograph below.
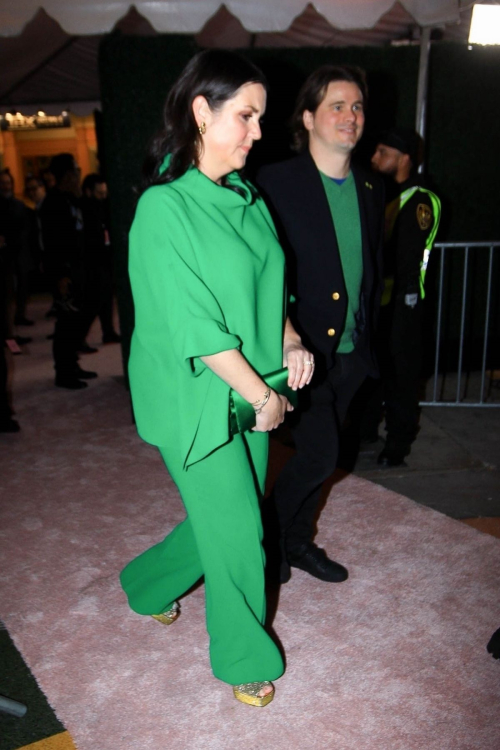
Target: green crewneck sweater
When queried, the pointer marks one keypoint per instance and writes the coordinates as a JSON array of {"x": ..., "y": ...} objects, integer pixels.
[{"x": 343, "y": 202}]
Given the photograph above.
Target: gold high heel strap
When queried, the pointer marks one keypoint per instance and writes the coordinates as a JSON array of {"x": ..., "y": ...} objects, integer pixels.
[
  {"x": 170, "y": 616},
  {"x": 249, "y": 693}
]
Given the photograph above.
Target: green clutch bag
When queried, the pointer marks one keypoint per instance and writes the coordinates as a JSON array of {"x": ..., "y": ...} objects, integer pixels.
[{"x": 241, "y": 412}]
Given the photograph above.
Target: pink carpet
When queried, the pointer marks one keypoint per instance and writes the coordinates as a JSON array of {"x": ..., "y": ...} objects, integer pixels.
[{"x": 393, "y": 659}]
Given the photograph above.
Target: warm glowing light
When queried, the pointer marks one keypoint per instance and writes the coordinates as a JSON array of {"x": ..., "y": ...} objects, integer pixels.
[
  {"x": 485, "y": 25},
  {"x": 17, "y": 121}
]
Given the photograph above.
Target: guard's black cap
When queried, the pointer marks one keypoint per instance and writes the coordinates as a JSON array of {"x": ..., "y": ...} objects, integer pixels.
[{"x": 405, "y": 140}]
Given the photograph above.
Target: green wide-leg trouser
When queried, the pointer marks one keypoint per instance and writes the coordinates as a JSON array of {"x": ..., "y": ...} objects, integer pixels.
[{"x": 221, "y": 539}]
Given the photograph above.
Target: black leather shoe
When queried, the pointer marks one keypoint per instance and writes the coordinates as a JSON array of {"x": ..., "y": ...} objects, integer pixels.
[
  {"x": 314, "y": 561},
  {"x": 84, "y": 348},
  {"x": 85, "y": 374},
  {"x": 494, "y": 644},
  {"x": 21, "y": 340},
  {"x": 9, "y": 425},
  {"x": 72, "y": 383},
  {"x": 23, "y": 322},
  {"x": 111, "y": 338},
  {"x": 390, "y": 460}
]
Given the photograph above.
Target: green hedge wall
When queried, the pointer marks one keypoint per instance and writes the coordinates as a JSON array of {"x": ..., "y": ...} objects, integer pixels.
[{"x": 462, "y": 139}]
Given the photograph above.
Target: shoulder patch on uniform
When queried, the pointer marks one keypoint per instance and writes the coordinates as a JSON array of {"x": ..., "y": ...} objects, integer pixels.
[{"x": 424, "y": 216}]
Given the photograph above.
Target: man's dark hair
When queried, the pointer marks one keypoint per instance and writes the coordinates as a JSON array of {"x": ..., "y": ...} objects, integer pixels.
[
  {"x": 61, "y": 164},
  {"x": 313, "y": 92}
]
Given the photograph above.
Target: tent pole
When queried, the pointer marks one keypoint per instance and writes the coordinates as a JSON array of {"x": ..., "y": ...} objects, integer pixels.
[{"x": 423, "y": 78}]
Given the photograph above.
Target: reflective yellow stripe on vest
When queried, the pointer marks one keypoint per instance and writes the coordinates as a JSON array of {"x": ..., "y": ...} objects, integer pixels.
[{"x": 394, "y": 208}]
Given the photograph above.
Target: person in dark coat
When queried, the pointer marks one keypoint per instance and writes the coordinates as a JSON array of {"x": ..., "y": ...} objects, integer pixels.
[
  {"x": 412, "y": 219},
  {"x": 98, "y": 258},
  {"x": 62, "y": 234},
  {"x": 7, "y": 423},
  {"x": 329, "y": 216},
  {"x": 15, "y": 220}
]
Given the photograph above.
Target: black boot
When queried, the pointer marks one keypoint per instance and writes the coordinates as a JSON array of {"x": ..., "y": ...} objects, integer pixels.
[{"x": 71, "y": 382}]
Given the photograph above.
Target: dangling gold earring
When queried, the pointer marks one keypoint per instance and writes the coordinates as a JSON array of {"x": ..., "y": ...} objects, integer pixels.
[{"x": 202, "y": 128}]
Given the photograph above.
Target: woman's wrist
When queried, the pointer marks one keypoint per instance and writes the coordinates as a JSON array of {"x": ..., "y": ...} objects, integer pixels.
[
  {"x": 260, "y": 403},
  {"x": 272, "y": 397}
]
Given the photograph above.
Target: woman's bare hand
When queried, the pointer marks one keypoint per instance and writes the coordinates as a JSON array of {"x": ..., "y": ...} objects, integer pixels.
[{"x": 273, "y": 413}]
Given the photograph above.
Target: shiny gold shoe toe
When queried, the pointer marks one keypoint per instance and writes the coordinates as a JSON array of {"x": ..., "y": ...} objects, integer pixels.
[
  {"x": 249, "y": 693},
  {"x": 170, "y": 616}
]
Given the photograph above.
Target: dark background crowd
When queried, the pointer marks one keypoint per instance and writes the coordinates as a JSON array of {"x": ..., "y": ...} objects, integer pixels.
[{"x": 57, "y": 240}]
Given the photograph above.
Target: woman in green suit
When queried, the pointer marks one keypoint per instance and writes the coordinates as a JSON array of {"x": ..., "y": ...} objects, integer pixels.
[{"x": 207, "y": 277}]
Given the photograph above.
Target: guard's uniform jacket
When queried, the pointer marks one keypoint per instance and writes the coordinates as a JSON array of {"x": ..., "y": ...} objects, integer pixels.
[
  {"x": 411, "y": 223},
  {"x": 412, "y": 220}
]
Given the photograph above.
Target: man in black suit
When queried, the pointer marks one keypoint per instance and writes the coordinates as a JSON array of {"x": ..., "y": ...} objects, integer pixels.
[{"x": 329, "y": 215}]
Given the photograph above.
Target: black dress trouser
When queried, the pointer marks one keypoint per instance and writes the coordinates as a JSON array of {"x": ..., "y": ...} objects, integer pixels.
[
  {"x": 5, "y": 410},
  {"x": 68, "y": 331},
  {"x": 399, "y": 353},
  {"x": 98, "y": 297},
  {"x": 67, "y": 337},
  {"x": 317, "y": 421}
]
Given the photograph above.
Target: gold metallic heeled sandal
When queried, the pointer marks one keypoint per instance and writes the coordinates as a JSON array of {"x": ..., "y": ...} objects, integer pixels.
[
  {"x": 249, "y": 693},
  {"x": 170, "y": 616}
]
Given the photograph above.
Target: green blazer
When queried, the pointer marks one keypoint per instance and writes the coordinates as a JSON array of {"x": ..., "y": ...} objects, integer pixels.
[{"x": 207, "y": 275}]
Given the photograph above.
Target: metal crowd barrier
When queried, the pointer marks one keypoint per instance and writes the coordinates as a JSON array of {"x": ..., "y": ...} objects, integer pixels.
[{"x": 437, "y": 384}]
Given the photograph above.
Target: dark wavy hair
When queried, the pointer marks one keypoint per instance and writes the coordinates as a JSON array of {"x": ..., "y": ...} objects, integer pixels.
[
  {"x": 313, "y": 92},
  {"x": 215, "y": 74}
]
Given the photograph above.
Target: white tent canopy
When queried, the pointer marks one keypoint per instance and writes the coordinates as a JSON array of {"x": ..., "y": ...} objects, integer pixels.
[
  {"x": 189, "y": 16},
  {"x": 49, "y": 52}
]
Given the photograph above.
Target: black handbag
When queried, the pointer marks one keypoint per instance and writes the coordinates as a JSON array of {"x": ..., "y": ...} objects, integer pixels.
[{"x": 242, "y": 415}]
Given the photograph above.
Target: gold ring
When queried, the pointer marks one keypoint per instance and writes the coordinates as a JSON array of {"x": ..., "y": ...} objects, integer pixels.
[{"x": 308, "y": 361}]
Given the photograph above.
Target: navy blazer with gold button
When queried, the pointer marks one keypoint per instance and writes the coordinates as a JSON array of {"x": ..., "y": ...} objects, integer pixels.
[{"x": 296, "y": 197}]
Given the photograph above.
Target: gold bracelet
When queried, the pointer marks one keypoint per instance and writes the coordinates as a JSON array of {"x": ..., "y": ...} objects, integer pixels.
[
  {"x": 259, "y": 401},
  {"x": 259, "y": 405}
]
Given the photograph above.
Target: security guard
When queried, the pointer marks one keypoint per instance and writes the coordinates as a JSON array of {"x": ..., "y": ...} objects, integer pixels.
[{"x": 412, "y": 220}]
